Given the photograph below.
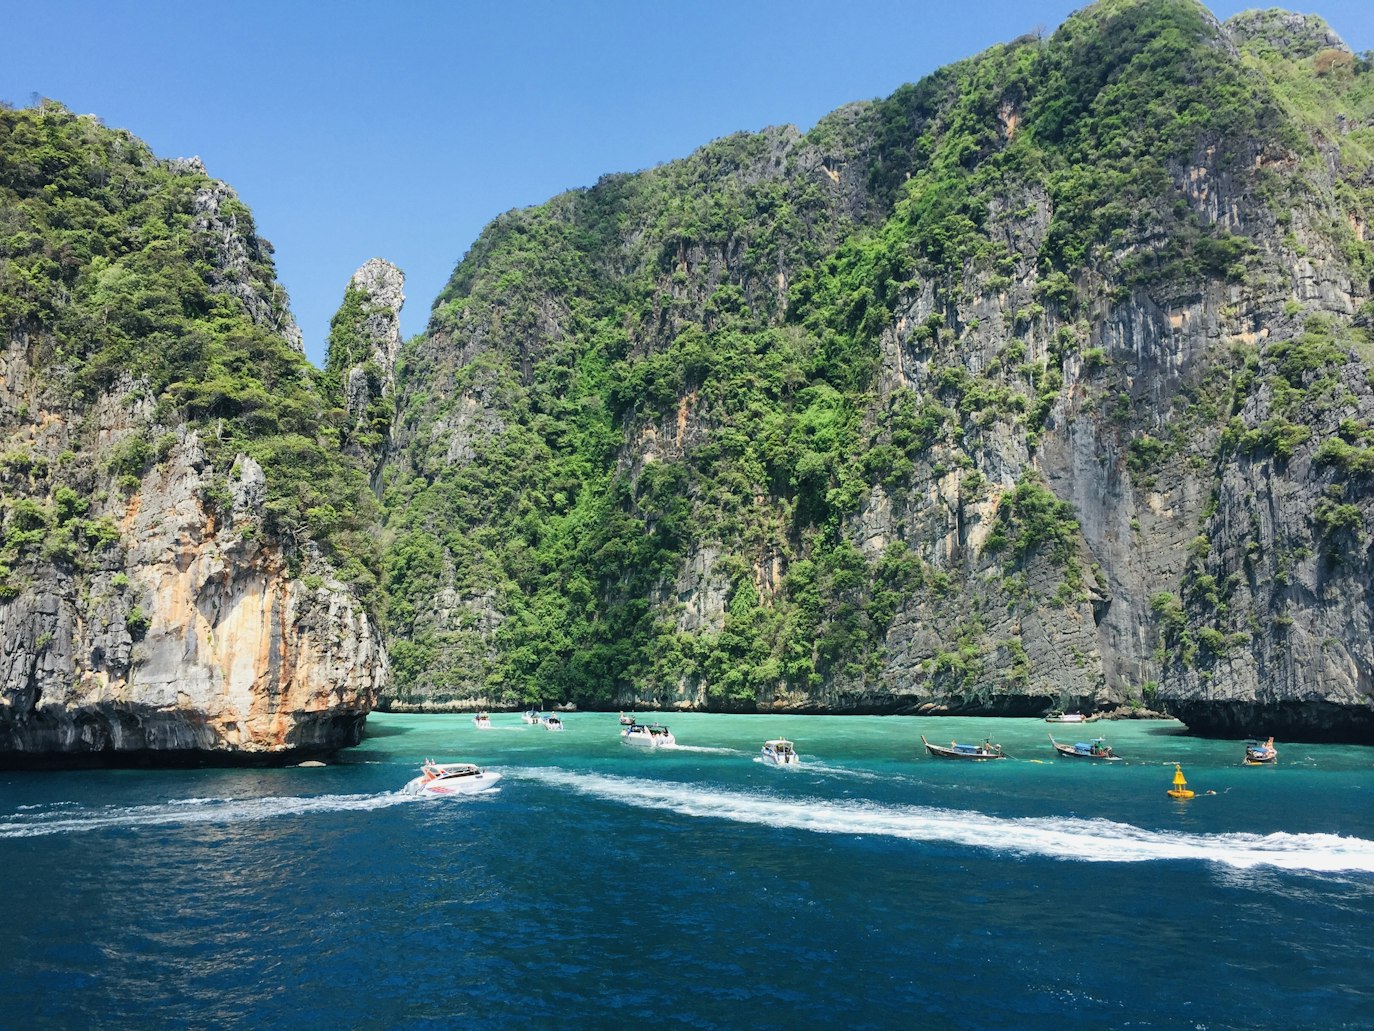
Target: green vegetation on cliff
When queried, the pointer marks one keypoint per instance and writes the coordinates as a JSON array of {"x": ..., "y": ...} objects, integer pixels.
[
  {"x": 649, "y": 419},
  {"x": 913, "y": 408},
  {"x": 120, "y": 271}
]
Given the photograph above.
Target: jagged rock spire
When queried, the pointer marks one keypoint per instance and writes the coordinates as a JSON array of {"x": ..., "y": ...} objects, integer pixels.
[{"x": 365, "y": 334}]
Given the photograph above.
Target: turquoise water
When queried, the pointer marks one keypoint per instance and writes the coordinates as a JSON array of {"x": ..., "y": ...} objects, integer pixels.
[{"x": 603, "y": 885}]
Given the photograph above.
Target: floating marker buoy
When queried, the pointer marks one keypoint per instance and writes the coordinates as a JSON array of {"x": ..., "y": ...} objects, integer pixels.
[{"x": 1180, "y": 788}]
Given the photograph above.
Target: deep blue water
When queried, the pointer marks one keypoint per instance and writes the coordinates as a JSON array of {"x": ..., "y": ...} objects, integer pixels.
[{"x": 603, "y": 885}]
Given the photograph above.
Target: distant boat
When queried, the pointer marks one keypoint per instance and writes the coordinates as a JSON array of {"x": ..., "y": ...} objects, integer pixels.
[
  {"x": 654, "y": 735},
  {"x": 482, "y": 721},
  {"x": 553, "y": 723},
  {"x": 1095, "y": 749},
  {"x": 1060, "y": 716},
  {"x": 976, "y": 753},
  {"x": 1180, "y": 788},
  {"x": 626, "y": 721},
  {"x": 1257, "y": 754},
  {"x": 450, "y": 779},
  {"x": 780, "y": 752},
  {"x": 530, "y": 716}
]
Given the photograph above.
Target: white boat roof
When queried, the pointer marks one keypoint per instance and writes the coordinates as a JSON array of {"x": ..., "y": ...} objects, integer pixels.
[{"x": 455, "y": 767}]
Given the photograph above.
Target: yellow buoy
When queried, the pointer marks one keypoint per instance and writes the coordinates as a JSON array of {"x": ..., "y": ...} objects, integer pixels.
[{"x": 1180, "y": 788}]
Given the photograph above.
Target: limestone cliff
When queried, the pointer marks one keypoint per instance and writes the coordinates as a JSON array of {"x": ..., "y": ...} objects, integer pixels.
[
  {"x": 1041, "y": 382},
  {"x": 178, "y": 579}
]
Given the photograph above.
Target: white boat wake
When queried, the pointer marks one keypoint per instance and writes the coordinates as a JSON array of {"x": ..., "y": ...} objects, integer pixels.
[
  {"x": 71, "y": 818},
  {"x": 1068, "y": 838}
]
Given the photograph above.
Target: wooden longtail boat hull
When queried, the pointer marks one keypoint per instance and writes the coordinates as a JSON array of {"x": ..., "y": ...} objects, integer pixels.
[
  {"x": 1070, "y": 752},
  {"x": 951, "y": 753}
]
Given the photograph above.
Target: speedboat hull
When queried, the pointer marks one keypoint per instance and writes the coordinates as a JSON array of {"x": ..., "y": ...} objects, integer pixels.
[
  {"x": 438, "y": 782},
  {"x": 647, "y": 737},
  {"x": 780, "y": 753}
]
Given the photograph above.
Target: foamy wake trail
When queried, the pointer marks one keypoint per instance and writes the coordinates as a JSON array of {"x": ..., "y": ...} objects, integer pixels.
[
  {"x": 188, "y": 811},
  {"x": 842, "y": 771},
  {"x": 1098, "y": 841},
  {"x": 701, "y": 748}
]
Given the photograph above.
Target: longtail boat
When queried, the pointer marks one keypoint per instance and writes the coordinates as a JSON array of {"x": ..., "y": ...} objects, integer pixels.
[
  {"x": 975, "y": 753},
  {"x": 1257, "y": 754},
  {"x": 1097, "y": 748}
]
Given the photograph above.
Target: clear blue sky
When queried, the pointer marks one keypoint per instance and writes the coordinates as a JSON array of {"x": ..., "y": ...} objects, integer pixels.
[{"x": 400, "y": 129}]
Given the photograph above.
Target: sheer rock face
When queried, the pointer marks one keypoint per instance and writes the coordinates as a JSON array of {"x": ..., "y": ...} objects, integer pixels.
[
  {"x": 160, "y": 599},
  {"x": 190, "y": 639},
  {"x": 1214, "y": 578}
]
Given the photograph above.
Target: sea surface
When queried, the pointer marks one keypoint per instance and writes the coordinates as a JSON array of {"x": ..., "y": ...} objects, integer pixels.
[{"x": 603, "y": 885}]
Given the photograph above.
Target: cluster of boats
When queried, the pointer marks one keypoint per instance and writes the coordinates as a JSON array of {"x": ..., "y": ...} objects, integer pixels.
[
  {"x": 466, "y": 778},
  {"x": 1097, "y": 748},
  {"x": 1256, "y": 754},
  {"x": 482, "y": 721}
]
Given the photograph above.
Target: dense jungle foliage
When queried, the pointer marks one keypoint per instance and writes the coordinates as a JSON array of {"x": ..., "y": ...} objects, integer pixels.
[
  {"x": 125, "y": 272},
  {"x": 664, "y": 436},
  {"x": 679, "y": 369}
]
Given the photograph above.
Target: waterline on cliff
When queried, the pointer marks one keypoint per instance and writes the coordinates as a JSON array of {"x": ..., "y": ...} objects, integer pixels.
[{"x": 1068, "y": 838}]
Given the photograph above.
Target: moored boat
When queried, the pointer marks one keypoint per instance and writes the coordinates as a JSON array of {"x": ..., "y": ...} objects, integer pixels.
[
  {"x": 1097, "y": 748},
  {"x": 450, "y": 779},
  {"x": 1060, "y": 716},
  {"x": 1257, "y": 754},
  {"x": 530, "y": 716},
  {"x": 651, "y": 734},
  {"x": 482, "y": 721},
  {"x": 626, "y": 721},
  {"x": 976, "y": 753},
  {"x": 780, "y": 752}
]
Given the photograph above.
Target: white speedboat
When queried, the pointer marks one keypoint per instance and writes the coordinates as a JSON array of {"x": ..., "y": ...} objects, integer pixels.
[
  {"x": 626, "y": 721},
  {"x": 532, "y": 716},
  {"x": 1059, "y": 716},
  {"x": 780, "y": 752},
  {"x": 651, "y": 734},
  {"x": 450, "y": 779},
  {"x": 552, "y": 723},
  {"x": 482, "y": 721}
]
